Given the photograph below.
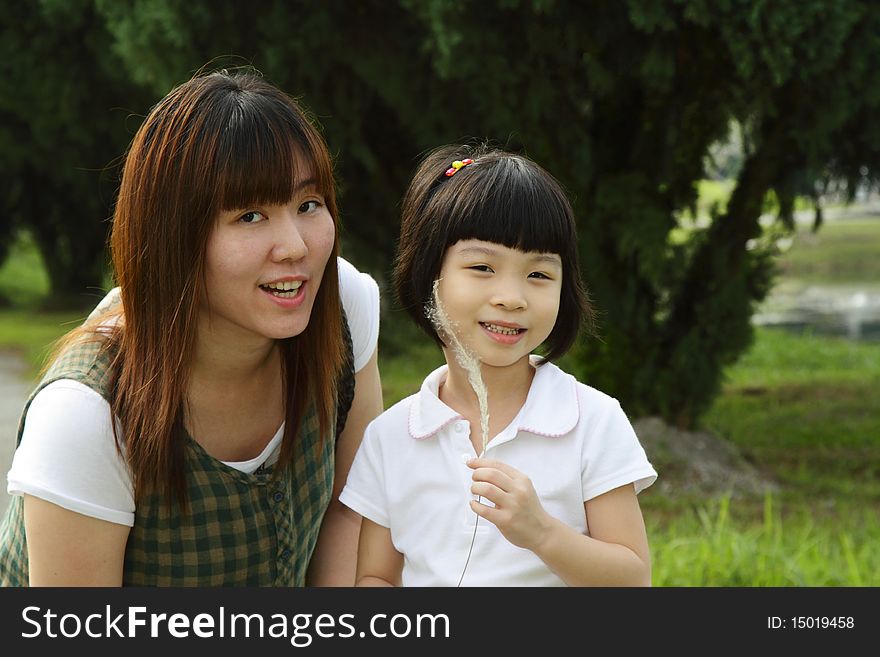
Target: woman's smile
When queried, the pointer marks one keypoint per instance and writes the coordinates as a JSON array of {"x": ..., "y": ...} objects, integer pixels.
[{"x": 286, "y": 293}]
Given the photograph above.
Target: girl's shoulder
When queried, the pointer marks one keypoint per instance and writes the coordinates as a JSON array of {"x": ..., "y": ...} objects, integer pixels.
[
  {"x": 559, "y": 386},
  {"x": 560, "y": 404},
  {"x": 418, "y": 415}
]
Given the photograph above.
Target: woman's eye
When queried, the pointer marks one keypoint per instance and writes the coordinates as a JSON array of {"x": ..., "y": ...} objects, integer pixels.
[
  {"x": 309, "y": 206},
  {"x": 252, "y": 217}
]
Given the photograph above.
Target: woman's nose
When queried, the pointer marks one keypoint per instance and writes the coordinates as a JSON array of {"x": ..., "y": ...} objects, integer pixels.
[{"x": 289, "y": 243}]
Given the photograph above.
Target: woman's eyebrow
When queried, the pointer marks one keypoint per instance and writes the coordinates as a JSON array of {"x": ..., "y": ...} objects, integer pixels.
[{"x": 304, "y": 184}]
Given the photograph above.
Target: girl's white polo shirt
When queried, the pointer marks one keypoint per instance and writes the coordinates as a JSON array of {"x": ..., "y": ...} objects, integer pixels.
[{"x": 409, "y": 475}]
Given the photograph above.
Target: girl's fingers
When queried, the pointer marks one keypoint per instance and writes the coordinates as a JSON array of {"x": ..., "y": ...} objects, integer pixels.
[
  {"x": 489, "y": 491},
  {"x": 509, "y": 470},
  {"x": 494, "y": 477},
  {"x": 486, "y": 512}
]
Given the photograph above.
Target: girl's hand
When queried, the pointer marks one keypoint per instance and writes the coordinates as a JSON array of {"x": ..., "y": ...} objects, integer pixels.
[{"x": 518, "y": 513}]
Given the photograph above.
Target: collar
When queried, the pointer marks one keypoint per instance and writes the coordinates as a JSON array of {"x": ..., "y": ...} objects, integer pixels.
[{"x": 551, "y": 407}]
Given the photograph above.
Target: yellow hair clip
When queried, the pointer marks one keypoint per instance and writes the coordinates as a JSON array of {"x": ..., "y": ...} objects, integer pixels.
[{"x": 458, "y": 164}]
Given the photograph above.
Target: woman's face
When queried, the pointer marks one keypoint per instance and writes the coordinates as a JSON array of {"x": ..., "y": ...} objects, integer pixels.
[{"x": 264, "y": 265}]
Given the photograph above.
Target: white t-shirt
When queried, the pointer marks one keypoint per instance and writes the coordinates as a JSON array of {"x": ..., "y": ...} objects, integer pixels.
[
  {"x": 573, "y": 442},
  {"x": 68, "y": 454}
]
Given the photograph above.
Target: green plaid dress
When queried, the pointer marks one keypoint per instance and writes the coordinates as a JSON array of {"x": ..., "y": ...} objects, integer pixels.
[{"x": 239, "y": 530}]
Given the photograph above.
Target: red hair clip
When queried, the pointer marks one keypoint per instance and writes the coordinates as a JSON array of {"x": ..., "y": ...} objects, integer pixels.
[{"x": 458, "y": 164}]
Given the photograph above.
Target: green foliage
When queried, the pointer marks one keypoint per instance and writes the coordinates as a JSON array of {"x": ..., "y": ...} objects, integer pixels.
[
  {"x": 621, "y": 101},
  {"x": 61, "y": 131}
]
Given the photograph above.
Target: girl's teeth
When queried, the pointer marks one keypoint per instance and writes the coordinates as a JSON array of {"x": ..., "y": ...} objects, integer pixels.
[{"x": 501, "y": 329}]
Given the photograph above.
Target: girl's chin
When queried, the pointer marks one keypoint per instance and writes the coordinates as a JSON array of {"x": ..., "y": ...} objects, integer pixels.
[{"x": 501, "y": 362}]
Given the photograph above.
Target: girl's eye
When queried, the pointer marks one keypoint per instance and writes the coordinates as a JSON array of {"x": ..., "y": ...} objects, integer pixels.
[
  {"x": 485, "y": 268},
  {"x": 538, "y": 274},
  {"x": 252, "y": 217},
  {"x": 309, "y": 206}
]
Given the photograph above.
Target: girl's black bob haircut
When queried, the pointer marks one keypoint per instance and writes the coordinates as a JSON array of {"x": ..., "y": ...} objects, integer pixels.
[{"x": 503, "y": 198}]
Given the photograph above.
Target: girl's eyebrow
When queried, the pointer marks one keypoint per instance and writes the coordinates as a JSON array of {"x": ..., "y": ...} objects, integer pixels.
[
  {"x": 550, "y": 258},
  {"x": 478, "y": 250}
]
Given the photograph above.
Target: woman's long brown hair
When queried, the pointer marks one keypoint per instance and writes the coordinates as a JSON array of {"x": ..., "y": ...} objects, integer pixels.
[{"x": 218, "y": 142}]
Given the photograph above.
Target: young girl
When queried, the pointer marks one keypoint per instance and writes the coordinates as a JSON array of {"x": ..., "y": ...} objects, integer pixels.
[
  {"x": 503, "y": 469},
  {"x": 192, "y": 435}
]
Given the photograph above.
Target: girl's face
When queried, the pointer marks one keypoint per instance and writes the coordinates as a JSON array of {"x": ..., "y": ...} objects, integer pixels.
[
  {"x": 502, "y": 302},
  {"x": 264, "y": 265}
]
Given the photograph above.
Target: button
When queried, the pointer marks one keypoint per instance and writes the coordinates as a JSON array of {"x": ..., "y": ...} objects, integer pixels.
[
  {"x": 459, "y": 427},
  {"x": 466, "y": 457},
  {"x": 286, "y": 554},
  {"x": 278, "y": 496}
]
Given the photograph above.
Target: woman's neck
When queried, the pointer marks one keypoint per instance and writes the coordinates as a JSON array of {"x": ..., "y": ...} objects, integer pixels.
[
  {"x": 234, "y": 400},
  {"x": 220, "y": 355}
]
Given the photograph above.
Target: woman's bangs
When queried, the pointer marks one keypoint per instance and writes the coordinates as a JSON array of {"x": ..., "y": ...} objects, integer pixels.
[{"x": 261, "y": 159}]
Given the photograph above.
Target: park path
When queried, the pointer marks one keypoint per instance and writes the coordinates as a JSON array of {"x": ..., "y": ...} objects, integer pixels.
[{"x": 14, "y": 388}]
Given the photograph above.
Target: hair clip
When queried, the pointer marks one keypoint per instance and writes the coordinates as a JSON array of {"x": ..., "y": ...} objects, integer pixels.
[{"x": 458, "y": 164}]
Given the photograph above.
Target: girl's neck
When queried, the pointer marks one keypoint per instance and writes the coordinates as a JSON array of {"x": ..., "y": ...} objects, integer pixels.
[{"x": 506, "y": 387}]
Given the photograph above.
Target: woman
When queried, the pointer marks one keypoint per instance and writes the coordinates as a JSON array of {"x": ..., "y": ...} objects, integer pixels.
[{"x": 230, "y": 368}]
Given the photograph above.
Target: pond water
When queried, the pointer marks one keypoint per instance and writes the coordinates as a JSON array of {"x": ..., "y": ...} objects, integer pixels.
[{"x": 849, "y": 310}]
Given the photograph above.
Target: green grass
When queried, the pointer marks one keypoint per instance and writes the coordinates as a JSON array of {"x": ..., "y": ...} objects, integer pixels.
[
  {"x": 805, "y": 409},
  {"x": 24, "y": 284},
  {"x": 402, "y": 374},
  {"x": 33, "y": 334},
  {"x": 709, "y": 546},
  {"x": 23, "y": 279},
  {"x": 842, "y": 251}
]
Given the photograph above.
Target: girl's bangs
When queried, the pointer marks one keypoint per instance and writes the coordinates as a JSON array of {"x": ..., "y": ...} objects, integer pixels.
[{"x": 515, "y": 209}]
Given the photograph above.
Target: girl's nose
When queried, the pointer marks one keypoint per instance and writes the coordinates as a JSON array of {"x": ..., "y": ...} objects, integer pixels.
[
  {"x": 289, "y": 243},
  {"x": 509, "y": 297}
]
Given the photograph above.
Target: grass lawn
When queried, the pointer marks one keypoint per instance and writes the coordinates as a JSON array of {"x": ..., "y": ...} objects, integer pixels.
[
  {"x": 842, "y": 251},
  {"x": 33, "y": 334},
  {"x": 23, "y": 279},
  {"x": 23, "y": 284}
]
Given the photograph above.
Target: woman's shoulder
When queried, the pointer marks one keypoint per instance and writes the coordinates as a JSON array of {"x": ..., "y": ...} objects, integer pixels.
[
  {"x": 86, "y": 358},
  {"x": 70, "y": 398},
  {"x": 360, "y": 299},
  {"x": 67, "y": 454},
  {"x": 353, "y": 282}
]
